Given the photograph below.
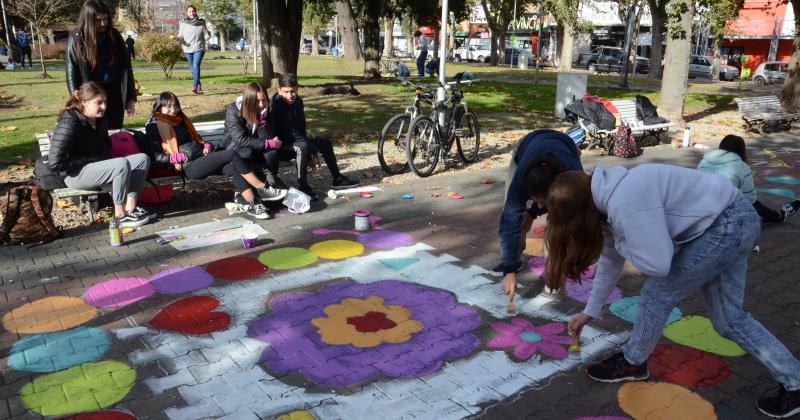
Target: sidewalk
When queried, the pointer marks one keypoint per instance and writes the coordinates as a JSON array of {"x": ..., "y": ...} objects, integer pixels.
[{"x": 138, "y": 363}]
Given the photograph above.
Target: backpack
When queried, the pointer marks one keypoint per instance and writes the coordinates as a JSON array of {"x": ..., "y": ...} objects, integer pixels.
[
  {"x": 624, "y": 144},
  {"x": 26, "y": 218},
  {"x": 123, "y": 144}
]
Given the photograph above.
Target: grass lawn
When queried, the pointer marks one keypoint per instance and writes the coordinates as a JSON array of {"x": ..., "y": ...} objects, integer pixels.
[{"x": 505, "y": 97}]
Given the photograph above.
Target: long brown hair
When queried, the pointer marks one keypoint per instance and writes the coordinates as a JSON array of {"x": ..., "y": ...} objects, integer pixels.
[
  {"x": 574, "y": 234},
  {"x": 86, "y": 92},
  {"x": 250, "y": 111},
  {"x": 88, "y": 31}
]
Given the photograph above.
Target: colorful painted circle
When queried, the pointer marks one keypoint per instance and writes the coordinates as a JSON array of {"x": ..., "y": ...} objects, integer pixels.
[
  {"x": 192, "y": 315},
  {"x": 101, "y": 415},
  {"x": 687, "y": 366},
  {"x": 660, "y": 400},
  {"x": 90, "y": 386},
  {"x": 603, "y": 418},
  {"x": 627, "y": 308},
  {"x": 534, "y": 246},
  {"x": 118, "y": 292},
  {"x": 50, "y": 314},
  {"x": 385, "y": 239},
  {"x": 60, "y": 350},
  {"x": 336, "y": 249},
  {"x": 581, "y": 291},
  {"x": 181, "y": 280},
  {"x": 287, "y": 258},
  {"x": 237, "y": 268},
  {"x": 697, "y": 332}
]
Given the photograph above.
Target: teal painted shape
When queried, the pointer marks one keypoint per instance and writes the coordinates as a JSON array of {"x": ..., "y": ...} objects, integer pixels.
[
  {"x": 398, "y": 263},
  {"x": 783, "y": 179},
  {"x": 627, "y": 308},
  {"x": 781, "y": 192},
  {"x": 58, "y": 351}
]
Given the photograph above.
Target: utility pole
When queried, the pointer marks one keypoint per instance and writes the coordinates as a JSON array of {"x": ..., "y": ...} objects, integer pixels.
[
  {"x": 538, "y": 45},
  {"x": 8, "y": 30},
  {"x": 255, "y": 37},
  {"x": 440, "y": 93},
  {"x": 626, "y": 51}
]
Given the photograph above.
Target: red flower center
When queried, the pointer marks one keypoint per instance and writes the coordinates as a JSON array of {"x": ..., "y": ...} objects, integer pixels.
[{"x": 371, "y": 321}]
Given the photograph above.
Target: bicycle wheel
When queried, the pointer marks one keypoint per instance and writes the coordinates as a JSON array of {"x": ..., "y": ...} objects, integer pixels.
[
  {"x": 468, "y": 137},
  {"x": 422, "y": 147},
  {"x": 392, "y": 145}
]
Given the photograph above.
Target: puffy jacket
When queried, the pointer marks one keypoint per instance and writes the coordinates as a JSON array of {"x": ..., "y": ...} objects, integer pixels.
[
  {"x": 288, "y": 121},
  {"x": 239, "y": 133},
  {"x": 594, "y": 112},
  {"x": 731, "y": 166},
  {"x": 75, "y": 143},
  {"x": 78, "y": 70},
  {"x": 154, "y": 149}
]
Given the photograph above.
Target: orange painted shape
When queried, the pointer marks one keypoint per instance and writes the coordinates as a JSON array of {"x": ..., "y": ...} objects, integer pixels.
[
  {"x": 50, "y": 314},
  {"x": 335, "y": 329},
  {"x": 534, "y": 247},
  {"x": 660, "y": 400}
]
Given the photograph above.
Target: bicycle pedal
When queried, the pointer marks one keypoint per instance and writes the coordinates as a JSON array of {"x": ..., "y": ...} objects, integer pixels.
[{"x": 458, "y": 132}]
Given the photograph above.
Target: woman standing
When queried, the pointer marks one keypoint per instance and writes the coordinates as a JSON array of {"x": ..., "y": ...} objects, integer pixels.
[
  {"x": 193, "y": 35},
  {"x": 96, "y": 52}
]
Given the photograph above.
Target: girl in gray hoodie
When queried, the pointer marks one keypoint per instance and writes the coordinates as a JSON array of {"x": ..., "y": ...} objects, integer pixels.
[
  {"x": 640, "y": 215},
  {"x": 193, "y": 34}
]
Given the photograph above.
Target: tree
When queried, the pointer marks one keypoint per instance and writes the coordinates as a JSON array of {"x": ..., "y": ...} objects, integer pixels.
[
  {"x": 218, "y": 13},
  {"x": 791, "y": 89},
  {"x": 348, "y": 27},
  {"x": 161, "y": 49},
  {"x": 717, "y": 14},
  {"x": 622, "y": 13},
  {"x": 498, "y": 16},
  {"x": 138, "y": 11},
  {"x": 42, "y": 15},
  {"x": 680, "y": 20},
  {"x": 315, "y": 18},
  {"x": 280, "y": 28},
  {"x": 370, "y": 17},
  {"x": 658, "y": 12},
  {"x": 565, "y": 13}
]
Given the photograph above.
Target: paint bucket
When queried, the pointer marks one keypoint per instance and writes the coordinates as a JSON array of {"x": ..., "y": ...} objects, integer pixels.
[
  {"x": 249, "y": 240},
  {"x": 362, "y": 220}
]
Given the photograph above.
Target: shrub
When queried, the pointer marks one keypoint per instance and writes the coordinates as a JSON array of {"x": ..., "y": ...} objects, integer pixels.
[
  {"x": 161, "y": 49},
  {"x": 57, "y": 51}
]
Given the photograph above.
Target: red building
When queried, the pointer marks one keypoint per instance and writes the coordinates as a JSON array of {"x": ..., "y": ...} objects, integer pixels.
[{"x": 764, "y": 31}]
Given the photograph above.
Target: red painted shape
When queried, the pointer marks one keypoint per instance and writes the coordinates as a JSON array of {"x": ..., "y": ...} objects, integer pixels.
[
  {"x": 538, "y": 232},
  {"x": 371, "y": 321},
  {"x": 191, "y": 315},
  {"x": 101, "y": 415},
  {"x": 237, "y": 268},
  {"x": 687, "y": 366}
]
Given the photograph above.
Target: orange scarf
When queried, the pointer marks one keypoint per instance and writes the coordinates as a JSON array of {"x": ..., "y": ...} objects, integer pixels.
[{"x": 170, "y": 145}]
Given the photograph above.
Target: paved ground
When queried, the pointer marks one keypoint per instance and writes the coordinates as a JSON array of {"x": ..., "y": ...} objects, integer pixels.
[{"x": 278, "y": 342}]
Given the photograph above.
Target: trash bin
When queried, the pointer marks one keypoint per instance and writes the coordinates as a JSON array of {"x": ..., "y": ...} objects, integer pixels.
[
  {"x": 569, "y": 86},
  {"x": 522, "y": 61}
]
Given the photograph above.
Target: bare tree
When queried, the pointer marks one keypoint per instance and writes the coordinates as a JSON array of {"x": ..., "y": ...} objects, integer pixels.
[
  {"x": 42, "y": 15},
  {"x": 138, "y": 11}
]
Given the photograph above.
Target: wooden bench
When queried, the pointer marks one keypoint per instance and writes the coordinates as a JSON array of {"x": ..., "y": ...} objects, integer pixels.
[
  {"x": 627, "y": 113},
  {"x": 211, "y": 132},
  {"x": 761, "y": 111}
]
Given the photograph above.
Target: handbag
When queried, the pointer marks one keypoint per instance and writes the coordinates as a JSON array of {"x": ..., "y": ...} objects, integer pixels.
[{"x": 192, "y": 150}]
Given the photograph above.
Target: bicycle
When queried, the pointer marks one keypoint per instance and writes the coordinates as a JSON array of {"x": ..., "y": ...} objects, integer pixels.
[
  {"x": 428, "y": 142},
  {"x": 392, "y": 144}
]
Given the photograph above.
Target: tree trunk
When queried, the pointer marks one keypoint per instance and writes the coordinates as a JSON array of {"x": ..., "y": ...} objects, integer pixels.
[
  {"x": 658, "y": 13},
  {"x": 567, "y": 43},
  {"x": 315, "y": 43},
  {"x": 436, "y": 33},
  {"x": 501, "y": 47},
  {"x": 715, "y": 54},
  {"x": 223, "y": 43},
  {"x": 673, "y": 85},
  {"x": 493, "y": 56},
  {"x": 372, "y": 40},
  {"x": 280, "y": 28},
  {"x": 348, "y": 27},
  {"x": 50, "y": 37},
  {"x": 791, "y": 89},
  {"x": 388, "y": 37}
]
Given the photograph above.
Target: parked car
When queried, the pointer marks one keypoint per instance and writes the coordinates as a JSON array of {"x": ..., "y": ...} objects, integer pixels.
[
  {"x": 478, "y": 52},
  {"x": 771, "y": 72},
  {"x": 513, "y": 55},
  {"x": 610, "y": 59},
  {"x": 213, "y": 47},
  {"x": 306, "y": 49},
  {"x": 703, "y": 66}
]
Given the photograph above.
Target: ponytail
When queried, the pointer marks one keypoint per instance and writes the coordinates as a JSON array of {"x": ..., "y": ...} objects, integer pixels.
[
  {"x": 86, "y": 92},
  {"x": 540, "y": 174}
]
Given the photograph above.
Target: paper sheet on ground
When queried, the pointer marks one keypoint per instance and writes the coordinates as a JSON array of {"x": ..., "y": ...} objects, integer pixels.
[{"x": 211, "y": 233}]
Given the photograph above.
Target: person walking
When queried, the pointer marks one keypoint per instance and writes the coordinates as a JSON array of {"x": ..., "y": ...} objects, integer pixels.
[
  {"x": 96, "y": 53},
  {"x": 423, "y": 53},
  {"x": 129, "y": 42},
  {"x": 24, "y": 42},
  {"x": 193, "y": 34}
]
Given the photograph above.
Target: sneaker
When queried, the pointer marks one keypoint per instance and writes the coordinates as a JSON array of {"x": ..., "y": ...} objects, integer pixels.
[
  {"x": 270, "y": 193},
  {"x": 342, "y": 182},
  {"x": 199, "y": 90},
  {"x": 789, "y": 209},
  {"x": 782, "y": 405},
  {"x": 133, "y": 220},
  {"x": 617, "y": 369},
  {"x": 258, "y": 211},
  {"x": 239, "y": 205},
  {"x": 144, "y": 213},
  {"x": 307, "y": 190}
]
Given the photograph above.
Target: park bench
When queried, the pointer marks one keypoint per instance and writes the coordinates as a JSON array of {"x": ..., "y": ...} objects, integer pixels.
[
  {"x": 627, "y": 113},
  {"x": 761, "y": 111}
]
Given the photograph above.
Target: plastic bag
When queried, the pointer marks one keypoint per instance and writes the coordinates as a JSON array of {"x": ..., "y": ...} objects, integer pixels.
[{"x": 297, "y": 201}]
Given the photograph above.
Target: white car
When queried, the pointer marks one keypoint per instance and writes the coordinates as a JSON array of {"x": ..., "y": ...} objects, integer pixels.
[
  {"x": 702, "y": 66},
  {"x": 477, "y": 52},
  {"x": 771, "y": 72}
]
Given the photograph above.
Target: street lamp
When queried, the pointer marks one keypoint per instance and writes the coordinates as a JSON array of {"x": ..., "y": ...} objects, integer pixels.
[{"x": 626, "y": 51}]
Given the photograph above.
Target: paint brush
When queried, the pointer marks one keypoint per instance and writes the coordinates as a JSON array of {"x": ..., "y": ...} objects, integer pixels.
[
  {"x": 575, "y": 346},
  {"x": 510, "y": 309}
]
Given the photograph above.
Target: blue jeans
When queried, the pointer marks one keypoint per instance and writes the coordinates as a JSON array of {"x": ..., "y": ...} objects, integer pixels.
[
  {"x": 421, "y": 63},
  {"x": 194, "y": 60},
  {"x": 715, "y": 262}
]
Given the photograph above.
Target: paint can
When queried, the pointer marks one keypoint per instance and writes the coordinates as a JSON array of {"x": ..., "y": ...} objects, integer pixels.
[
  {"x": 115, "y": 233},
  {"x": 362, "y": 220}
]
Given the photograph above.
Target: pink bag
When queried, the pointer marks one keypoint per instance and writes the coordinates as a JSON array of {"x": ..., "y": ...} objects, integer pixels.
[{"x": 123, "y": 144}]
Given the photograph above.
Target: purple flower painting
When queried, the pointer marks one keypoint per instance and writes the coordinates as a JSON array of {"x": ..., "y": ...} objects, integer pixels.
[{"x": 526, "y": 339}]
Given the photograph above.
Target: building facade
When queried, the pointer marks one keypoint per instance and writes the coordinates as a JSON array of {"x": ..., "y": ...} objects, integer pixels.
[{"x": 763, "y": 31}]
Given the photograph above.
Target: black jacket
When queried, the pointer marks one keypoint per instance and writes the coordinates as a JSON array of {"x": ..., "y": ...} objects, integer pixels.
[
  {"x": 288, "y": 121},
  {"x": 78, "y": 70},
  {"x": 153, "y": 145},
  {"x": 239, "y": 133},
  {"x": 594, "y": 112},
  {"x": 74, "y": 143}
]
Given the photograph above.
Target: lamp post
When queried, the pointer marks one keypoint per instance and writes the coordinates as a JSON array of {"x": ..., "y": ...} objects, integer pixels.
[
  {"x": 8, "y": 38},
  {"x": 626, "y": 51},
  {"x": 440, "y": 93}
]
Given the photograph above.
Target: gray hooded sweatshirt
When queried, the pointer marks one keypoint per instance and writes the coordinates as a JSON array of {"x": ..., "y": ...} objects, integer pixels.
[
  {"x": 193, "y": 36},
  {"x": 651, "y": 208}
]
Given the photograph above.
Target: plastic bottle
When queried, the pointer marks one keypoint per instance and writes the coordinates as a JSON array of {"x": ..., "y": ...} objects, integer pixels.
[
  {"x": 687, "y": 137},
  {"x": 115, "y": 233}
]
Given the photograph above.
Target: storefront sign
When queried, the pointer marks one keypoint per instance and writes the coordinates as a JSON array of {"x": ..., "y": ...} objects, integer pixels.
[{"x": 526, "y": 22}]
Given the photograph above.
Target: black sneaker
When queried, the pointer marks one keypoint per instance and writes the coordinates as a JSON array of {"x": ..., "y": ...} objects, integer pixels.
[
  {"x": 342, "y": 182},
  {"x": 789, "y": 209},
  {"x": 306, "y": 189},
  {"x": 132, "y": 220},
  {"x": 258, "y": 211},
  {"x": 617, "y": 369},
  {"x": 270, "y": 193},
  {"x": 141, "y": 212},
  {"x": 783, "y": 404}
]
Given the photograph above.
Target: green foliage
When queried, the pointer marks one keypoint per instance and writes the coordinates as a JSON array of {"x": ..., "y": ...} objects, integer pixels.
[
  {"x": 675, "y": 9},
  {"x": 219, "y": 13},
  {"x": 717, "y": 13},
  {"x": 564, "y": 11},
  {"x": 161, "y": 49},
  {"x": 316, "y": 15}
]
